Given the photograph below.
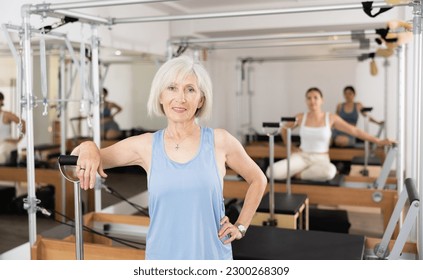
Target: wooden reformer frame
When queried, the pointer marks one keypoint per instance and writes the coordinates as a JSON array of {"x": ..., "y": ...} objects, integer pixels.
[
  {"x": 327, "y": 195},
  {"x": 258, "y": 150},
  {"x": 95, "y": 247},
  {"x": 46, "y": 176}
]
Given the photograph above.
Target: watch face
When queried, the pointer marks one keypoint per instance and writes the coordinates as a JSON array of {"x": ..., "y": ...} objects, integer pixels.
[{"x": 242, "y": 229}]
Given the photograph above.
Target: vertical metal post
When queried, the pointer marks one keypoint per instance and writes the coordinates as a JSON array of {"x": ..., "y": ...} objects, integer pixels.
[
  {"x": 400, "y": 117},
  {"x": 27, "y": 66},
  {"x": 63, "y": 128},
  {"x": 79, "y": 240},
  {"x": 271, "y": 129},
  {"x": 288, "y": 162},
  {"x": 95, "y": 76},
  {"x": 417, "y": 32},
  {"x": 272, "y": 179},
  {"x": 386, "y": 109},
  {"x": 64, "y": 161},
  {"x": 365, "y": 170},
  {"x": 417, "y": 88}
]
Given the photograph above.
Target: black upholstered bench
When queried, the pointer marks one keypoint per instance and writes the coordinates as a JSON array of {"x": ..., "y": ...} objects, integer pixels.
[{"x": 291, "y": 211}]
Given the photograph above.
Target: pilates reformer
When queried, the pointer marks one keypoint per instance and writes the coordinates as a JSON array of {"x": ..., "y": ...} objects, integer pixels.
[
  {"x": 260, "y": 150},
  {"x": 332, "y": 193}
]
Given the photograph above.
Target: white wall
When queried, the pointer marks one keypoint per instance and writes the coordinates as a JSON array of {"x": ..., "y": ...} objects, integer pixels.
[{"x": 279, "y": 88}]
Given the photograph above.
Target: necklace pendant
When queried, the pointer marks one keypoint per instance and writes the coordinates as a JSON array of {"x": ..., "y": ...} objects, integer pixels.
[{"x": 177, "y": 147}]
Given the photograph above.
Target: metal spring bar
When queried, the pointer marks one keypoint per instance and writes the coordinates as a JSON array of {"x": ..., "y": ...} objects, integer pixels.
[
  {"x": 288, "y": 151},
  {"x": 271, "y": 129},
  {"x": 365, "y": 171}
]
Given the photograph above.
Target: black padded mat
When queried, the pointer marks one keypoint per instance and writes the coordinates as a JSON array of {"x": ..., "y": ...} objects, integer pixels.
[
  {"x": 371, "y": 161},
  {"x": 284, "y": 203},
  {"x": 271, "y": 243},
  {"x": 337, "y": 181}
]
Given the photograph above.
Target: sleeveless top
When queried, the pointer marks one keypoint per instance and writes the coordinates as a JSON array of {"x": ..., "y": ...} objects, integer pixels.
[
  {"x": 315, "y": 139},
  {"x": 185, "y": 204},
  {"x": 106, "y": 111},
  {"x": 349, "y": 117},
  {"x": 5, "y": 129}
]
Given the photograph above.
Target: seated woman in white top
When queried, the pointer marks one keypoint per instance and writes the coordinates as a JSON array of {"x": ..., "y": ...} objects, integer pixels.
[{"x": 311, "y": 161}]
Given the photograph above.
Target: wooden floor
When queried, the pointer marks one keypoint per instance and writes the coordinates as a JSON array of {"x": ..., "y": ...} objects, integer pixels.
[{"x": 14, "y": 228}]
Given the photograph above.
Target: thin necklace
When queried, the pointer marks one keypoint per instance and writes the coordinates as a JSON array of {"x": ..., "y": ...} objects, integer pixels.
[{"x": 177, "y": 145}]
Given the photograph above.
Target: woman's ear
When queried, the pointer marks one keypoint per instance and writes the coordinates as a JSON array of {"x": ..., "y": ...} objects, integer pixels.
[{"x": 201, "y": 103}]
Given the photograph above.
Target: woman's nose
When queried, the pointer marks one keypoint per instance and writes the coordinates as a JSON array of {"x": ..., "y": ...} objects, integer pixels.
[{"x": 181, "y": 96}]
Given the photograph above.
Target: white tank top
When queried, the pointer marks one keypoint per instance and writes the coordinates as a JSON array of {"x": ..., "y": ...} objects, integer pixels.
[
  {"x": 315, "y": 139},
  {"x": 5, "y": 129}
]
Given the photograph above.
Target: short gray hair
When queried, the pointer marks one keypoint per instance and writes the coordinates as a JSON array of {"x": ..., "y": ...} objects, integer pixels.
[{"x": 180, "y": 68}]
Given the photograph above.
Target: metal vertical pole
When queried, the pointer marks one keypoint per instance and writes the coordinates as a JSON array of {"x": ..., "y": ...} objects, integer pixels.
[
  {"x": 95, "y": 76},
  {"x": 400, "y": 117},
  {"x": 79, "y": 238},
  {"x": 27, "y": 65},
  {"x": 417, "y": 30},
  {"x": 386, "y": 109},
  {"x": 415, "y": 126},
  {"x": 63, "y": 128},
  {"x": 417, "y": 87},
  {"x": 288, "y": 162},
  {"x": 365, "y": 170},
  {"x": 272, "y": 179}
]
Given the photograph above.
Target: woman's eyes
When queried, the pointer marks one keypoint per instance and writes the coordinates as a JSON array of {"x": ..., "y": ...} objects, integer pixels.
[
  {"x": 191, "y": 90},
  {"x": 187, "y": 90}
]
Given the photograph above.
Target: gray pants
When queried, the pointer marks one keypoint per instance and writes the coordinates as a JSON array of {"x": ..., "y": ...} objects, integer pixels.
[{"x": 315, "y": 167}]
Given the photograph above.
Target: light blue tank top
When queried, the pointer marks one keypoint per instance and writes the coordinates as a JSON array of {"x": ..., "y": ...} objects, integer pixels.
[{"x": 185, "y": 204}]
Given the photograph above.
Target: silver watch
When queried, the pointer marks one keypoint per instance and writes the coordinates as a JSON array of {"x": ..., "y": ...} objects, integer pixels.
[{"x": 242, "y": 229}]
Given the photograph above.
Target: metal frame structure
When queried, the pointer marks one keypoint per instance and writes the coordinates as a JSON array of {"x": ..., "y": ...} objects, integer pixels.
[
  {"x": 62, "y": 9},
  {"x": 271, "y": 129},
  {"x": 409, "y": 193},
  {"x": 415, "y": 123}
]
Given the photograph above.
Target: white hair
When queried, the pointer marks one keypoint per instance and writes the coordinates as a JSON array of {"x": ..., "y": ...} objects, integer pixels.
[{"x": 179, "y": 68}]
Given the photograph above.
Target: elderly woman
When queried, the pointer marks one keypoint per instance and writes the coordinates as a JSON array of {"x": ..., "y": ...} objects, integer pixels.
[
  {"x": 312, "y": 161},
  {"x": 185, "y": 164}
]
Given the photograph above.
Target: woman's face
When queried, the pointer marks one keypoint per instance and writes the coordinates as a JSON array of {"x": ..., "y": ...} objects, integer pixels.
[
  {"x": 349, "y": 95},
  {"x": 314, "y": 100},
  {"x": 181, "y": 99}
]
